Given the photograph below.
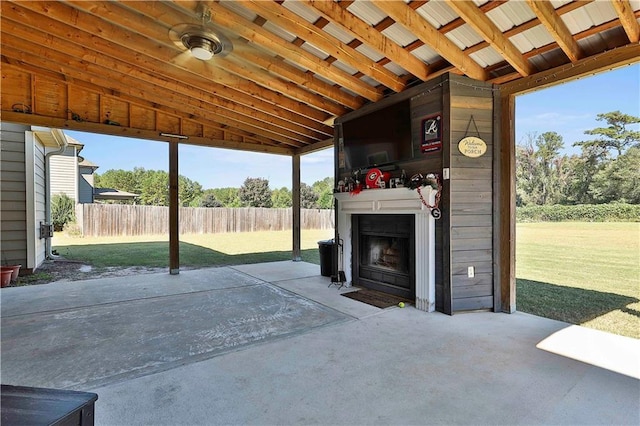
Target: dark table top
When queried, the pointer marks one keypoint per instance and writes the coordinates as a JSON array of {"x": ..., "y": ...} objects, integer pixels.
[{"x": 22, "y": 405}]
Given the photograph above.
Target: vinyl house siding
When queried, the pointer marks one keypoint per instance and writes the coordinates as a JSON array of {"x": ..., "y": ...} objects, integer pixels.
[
  {"x": 13, "y": 223},
  {"x": 38, "y": 213},
  {"x": 85, "y": 186},
  {"x": 64, "y": 173},
  {"x": 22, "y": 195}
]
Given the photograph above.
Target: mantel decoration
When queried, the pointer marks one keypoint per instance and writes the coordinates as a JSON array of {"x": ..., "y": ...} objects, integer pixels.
[
  {"x": 472, "y": 146},
  {"x": 419, "y": 181}
]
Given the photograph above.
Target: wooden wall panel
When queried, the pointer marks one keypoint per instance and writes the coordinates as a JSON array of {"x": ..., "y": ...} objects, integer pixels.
[
  {"x": 85, "y": 103},
  {"x": 143, "y": 118},
  {"x": 16, "y": 88},
  {"x": 212, "y": 132},
  {"x": 482, "y": 267},
  {"x": 168, "y": 123},
  {"x": 471, "y": 196},
  {"x": 51, "y": 98},
  {"x": 234, "y": 137},
  {"x": 192, "y": 128},
  {"x": 115, "y": 110}
]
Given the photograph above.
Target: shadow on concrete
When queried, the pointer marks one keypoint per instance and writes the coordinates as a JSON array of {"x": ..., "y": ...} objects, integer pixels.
[{"x": 569, "y": 304}]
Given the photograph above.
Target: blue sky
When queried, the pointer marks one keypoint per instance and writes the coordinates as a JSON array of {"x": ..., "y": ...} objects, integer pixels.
[{"x": 568, "y": 109}]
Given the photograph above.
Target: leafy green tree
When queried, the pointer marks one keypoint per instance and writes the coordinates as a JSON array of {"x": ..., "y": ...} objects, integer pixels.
[
  {"x": 324, "y": 190},
  {"x": 151, "y": 185},
  {"x": 154, "y": 189},
  {"x": 255, "y": 192},
  {"x": 281, "y": 198},
  {"x": 209, "y": 200},
  {"x": 62, "y": 211},
  {"x": 595, "y": 168},
  {"x": 616, "y": 136},
  {"x": 549, "y": 163},
  {"x": 619, "y": 179},
  {"x": 308, "y": 197},
  {"x": 539, "y": 169},
  {"x": 188, "y": 191},
  {"x": 582, "y": 168},
  {"x": 228, "y": 196},
  {"x": 124, "y": 180}
]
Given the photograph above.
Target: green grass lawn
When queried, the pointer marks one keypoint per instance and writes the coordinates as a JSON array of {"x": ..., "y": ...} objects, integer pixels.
[
  {"x": 196, "y": 250},
  {"x": 582, "y": 273}
]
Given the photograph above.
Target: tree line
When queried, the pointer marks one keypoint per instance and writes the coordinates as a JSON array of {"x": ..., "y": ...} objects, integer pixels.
[
  {"x": 152, "y": 187},
  {"x": 606, "y": 170}
]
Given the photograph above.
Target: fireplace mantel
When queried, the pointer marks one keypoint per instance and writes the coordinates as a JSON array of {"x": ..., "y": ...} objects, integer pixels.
[{"x": 395, "y": 201}]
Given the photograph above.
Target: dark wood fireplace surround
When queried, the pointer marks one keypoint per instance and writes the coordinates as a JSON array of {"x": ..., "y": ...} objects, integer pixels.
[{"x": 465, "y": 250}]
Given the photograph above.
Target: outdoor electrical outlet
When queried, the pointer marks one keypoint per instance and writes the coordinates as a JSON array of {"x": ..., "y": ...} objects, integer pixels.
[
  {"x": 445, "y": 173},
  {"x": 471, "y": 271}
]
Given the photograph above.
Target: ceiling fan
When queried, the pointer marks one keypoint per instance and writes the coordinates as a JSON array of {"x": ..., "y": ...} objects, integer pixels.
[{"x": 204, "y": 41}]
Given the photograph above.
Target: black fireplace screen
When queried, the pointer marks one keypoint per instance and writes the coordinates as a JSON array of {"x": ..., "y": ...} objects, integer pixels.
[
  {"x": 384, "y": 253},
  {"x": 390, "y": 253}
]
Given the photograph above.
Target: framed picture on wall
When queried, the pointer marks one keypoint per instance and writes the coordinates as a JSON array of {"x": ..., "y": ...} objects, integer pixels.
[{"x": 431, "y": 131}]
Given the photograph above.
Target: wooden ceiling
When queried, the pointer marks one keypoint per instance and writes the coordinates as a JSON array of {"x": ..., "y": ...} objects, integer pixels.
[{"x": 112, "y": 67}]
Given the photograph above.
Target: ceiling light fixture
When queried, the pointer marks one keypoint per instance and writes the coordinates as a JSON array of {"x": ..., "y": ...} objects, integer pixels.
[
  {"x": 203, "y": 41},
  {"x": 202, "y": 46}
]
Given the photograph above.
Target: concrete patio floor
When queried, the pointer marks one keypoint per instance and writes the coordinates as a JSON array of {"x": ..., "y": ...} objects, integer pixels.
[{"x": 272, "y": 344}]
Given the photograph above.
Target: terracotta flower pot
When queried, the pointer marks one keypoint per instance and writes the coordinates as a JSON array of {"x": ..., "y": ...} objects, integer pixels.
[
  {"x": 5, "y": 276},
  {"x": 15, "y": 271}
]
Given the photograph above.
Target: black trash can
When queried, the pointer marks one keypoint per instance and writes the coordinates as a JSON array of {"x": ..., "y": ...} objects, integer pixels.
[{"x": 328, "y": 257}]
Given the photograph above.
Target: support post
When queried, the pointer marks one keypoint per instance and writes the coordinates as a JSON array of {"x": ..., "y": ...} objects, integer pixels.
[
  {"x": 295, "y": 198},
  {"x": 174, "y": 239},
  {"x": 507, "y": 205}
]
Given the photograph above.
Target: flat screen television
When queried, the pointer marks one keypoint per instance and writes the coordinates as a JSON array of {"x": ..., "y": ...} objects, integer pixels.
[{"x": 380, "y": 138}]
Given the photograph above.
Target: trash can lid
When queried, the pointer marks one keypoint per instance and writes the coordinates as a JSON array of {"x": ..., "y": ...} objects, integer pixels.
[{"x": 326, "y": 242}]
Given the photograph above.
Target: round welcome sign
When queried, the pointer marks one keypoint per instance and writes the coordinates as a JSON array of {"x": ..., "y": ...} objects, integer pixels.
[{"x": 472, "y": 146}]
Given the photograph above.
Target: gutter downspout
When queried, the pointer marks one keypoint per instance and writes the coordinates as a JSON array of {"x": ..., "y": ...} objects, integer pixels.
[{"x": 62, "y": 142}]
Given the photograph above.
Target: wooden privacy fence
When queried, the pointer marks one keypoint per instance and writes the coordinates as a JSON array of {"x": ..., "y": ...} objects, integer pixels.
[{"x": 103, "y": 220}]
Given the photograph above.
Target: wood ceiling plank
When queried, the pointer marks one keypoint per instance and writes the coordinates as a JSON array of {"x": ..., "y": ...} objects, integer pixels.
[
  {"x": 411, "y": 20},
  {"x": 248, "y": 70},
  {"x": 627, "y": 19},
  {"x": 165, "y": 60},
  {"x": 160, "y": 95},
  {"x": 289, "y": 21},
  {"x": 492, "y": 34},
  {"x": 45, "y": 56},
  {"x": 371, "y": 37},
  {"x": 104, "y": 48},
  {"x": 77, "y": 86},
  {"x": 557, "y": 28},
  {"x": 258, "y": 35},
  {"x": 302, "y": 78},
  {"x": 158, "y": 17}
]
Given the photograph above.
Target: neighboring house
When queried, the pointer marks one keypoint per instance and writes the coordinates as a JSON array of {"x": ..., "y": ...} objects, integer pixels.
[
  {"x": 24, "y": 190},
  {"x": 73, "y": 175},
  {"x": 86, "y": 187}
]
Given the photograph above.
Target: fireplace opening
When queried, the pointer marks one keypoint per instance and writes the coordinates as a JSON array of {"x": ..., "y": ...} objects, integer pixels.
[{"x": 384, "y": 247}]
